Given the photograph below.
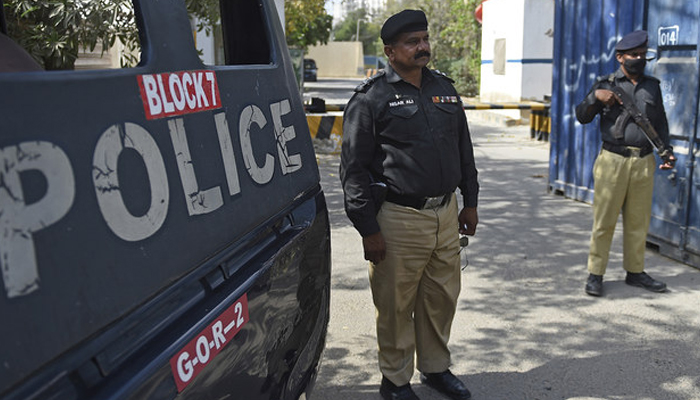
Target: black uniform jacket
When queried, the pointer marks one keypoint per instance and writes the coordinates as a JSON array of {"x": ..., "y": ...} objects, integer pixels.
[
  {"x": 647, "y": 95},
  {"x": 416, "y": 141}
]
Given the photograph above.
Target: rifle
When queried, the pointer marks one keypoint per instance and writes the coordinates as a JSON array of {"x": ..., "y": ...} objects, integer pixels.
[{"x": 631, "y": 110}]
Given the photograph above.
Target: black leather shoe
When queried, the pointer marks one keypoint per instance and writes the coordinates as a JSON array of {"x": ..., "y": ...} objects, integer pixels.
[
  {"x": 645, "y": 281},
  {"x": 389, "y": 391},
  {"x": 594, "y": 285},
  {"x": 447, "y": 384}
]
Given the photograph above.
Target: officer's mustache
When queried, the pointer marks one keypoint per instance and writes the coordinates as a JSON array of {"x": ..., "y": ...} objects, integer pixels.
[{"x": 422, "y": 54}]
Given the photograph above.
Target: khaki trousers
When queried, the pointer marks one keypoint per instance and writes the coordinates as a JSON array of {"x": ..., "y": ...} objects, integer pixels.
[
  {"x": 627, "y": 184},
  {"x": 415, "y": 289}
]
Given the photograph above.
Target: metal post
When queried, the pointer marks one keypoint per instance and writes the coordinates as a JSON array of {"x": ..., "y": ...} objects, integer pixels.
[{"x": 357, "y": 31}]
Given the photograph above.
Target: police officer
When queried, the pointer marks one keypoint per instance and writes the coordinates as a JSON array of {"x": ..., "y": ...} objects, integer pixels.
[
  {"x": 405, "y": 132},
  {"x": 624, "y": 169}
]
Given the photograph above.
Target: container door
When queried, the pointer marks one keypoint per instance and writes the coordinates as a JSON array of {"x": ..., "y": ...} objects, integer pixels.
[
  {"x": 673, "y": 31},
  {"x": 584, "y": 49},
  {"x": 693, "y": 243}
]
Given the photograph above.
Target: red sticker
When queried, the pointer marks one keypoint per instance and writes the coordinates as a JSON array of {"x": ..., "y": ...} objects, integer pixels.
[
  {"x": 178, "y": 93},
  {"x": 201, "y": 350}
]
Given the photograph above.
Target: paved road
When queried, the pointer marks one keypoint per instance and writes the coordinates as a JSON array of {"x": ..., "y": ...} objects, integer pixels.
[{"x": 524, "y": 327}]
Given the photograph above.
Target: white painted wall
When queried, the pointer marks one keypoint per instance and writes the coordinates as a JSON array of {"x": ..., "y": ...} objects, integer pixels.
[
  {"x": 338, "y": 59},
  {"x": 538, "y": 46},
  {"x": 502, "y": 19},
  {"x": 527, "y": 27}
]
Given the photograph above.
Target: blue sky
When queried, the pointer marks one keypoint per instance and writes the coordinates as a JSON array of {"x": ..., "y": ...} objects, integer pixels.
[{"x": 330, "y": 4}]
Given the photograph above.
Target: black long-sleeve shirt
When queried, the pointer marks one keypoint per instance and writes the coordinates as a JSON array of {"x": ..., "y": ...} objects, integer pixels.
[
  {"x": 416, "y": 141},
  {"x": 647, "y": 96}
]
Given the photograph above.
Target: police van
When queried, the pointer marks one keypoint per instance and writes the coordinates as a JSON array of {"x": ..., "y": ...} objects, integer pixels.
[{"x": 163, "y": 232}]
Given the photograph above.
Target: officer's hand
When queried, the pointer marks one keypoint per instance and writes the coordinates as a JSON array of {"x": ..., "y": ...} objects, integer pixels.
[
  {"x": 468, "y": 220},
  {"x": 669, "y": 164},
  {"x": 375, "y": 247},
  {"x": 607, "y": 97}
]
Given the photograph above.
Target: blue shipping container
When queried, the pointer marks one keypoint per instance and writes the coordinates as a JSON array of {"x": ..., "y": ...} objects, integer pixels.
[{"x": 585, "y": 36}]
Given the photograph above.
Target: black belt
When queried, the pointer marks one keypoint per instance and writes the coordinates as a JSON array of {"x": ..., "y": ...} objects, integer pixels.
[
  {"x": 627, "y": 151},
  {"x": 419, "y": 203}
]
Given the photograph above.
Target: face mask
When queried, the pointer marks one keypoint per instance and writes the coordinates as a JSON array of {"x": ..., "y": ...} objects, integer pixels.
[{"x": 635, "y": 66}]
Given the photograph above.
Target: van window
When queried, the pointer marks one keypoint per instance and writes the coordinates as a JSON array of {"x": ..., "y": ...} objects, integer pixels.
[
  {"x": 76, "y": 35},
  {"x": 233, "y": 34}
]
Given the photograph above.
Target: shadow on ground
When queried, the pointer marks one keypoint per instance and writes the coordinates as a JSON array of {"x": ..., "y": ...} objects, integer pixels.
[{"x": 524, "y": 328}]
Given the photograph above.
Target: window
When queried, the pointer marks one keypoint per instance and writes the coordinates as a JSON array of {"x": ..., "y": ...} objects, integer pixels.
[{"x": 234, "y": 33}]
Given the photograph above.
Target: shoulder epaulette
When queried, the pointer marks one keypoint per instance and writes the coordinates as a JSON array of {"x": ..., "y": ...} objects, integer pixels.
[
  {"x": 442, "y": 74},
  {"x": 368, "y": 82}
]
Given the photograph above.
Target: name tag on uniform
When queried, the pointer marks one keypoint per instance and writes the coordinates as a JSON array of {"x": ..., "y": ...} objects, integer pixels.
[
  {"x": 401, "y": 102},
  {"x": 445, "y": 99}
]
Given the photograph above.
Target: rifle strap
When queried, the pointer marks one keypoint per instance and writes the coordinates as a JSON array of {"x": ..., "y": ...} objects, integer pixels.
[{"x": 618, "y": 131}]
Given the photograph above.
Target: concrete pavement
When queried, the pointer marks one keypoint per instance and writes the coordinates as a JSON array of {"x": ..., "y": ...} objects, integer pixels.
[{"x": 525, "y": 329}]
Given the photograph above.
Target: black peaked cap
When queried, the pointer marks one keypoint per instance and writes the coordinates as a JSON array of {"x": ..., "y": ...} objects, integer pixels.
[
  {"x": 405, "y": 21},
  {"x": 632, "y": 41}
]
